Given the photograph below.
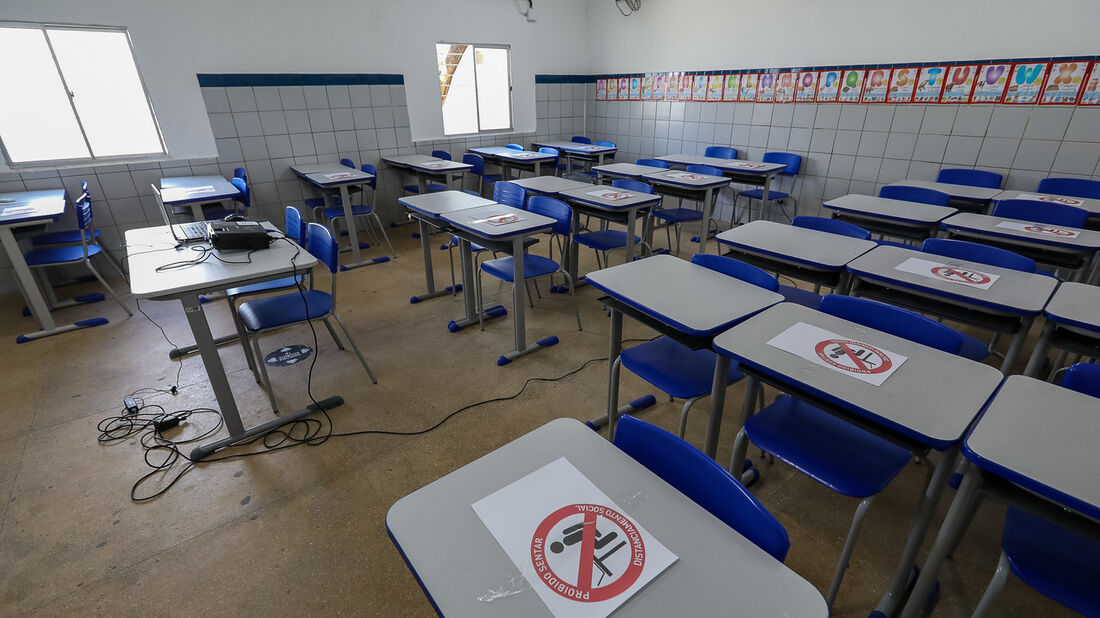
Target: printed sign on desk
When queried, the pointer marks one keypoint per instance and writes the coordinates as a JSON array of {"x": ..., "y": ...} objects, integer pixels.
[
  {"x": 686, "y": 82},
  {"x": 860, "y": 360},
  {"x": 876, "y": 86},
  {"x": 945, "y": 272},
  {"x": 959, "y": 83},
  {"x": 903, "y": 81},
  {"x": 1038, "y": 228},
  {"x": 929, "y": 84},
  {"x": 685, "y": 176},
  {"x": 699, "y": 88},
  {"x": 1091, "y": 94},
  {"x": 608, "y": 194},
  {"x": 1054, "y": 199},
  {"x": 210, "y": 188},
  {"x": 582, "y": 554},
  {"x": 828, "y": 86},
  {"x": 613, "y": 89},
  {"x": 851, "y": 86},
  {"x": 659, "y": 86},
  {"x": 498, "y": 220},
  {"x": 714, "y": 88},
  {"x": 765, "y": 88},
  {"x": 1025, "y": 83},
  {"x": 732, "y": 89},
  {"x": 1064, "y": 83},
  {"x": 748, "y": 86},
  {"x": 634, "y": 91},
  {"x": 647, "y": 87},
  {"x": 785, "y": 86},
  {"x": 806, "y": 89},
  {"x": 990, "y": 85}
]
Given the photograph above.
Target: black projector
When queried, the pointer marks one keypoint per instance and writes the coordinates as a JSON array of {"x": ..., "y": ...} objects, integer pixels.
[{"x": 237, "y": 235}]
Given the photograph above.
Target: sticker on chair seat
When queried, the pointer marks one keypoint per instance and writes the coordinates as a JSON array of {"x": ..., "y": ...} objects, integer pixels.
[
  {"x": 962, "y": 275},
  {"x": 339, "y": 176},
  {"x": 861, "y": 360},
  {"x": 1054, "y": 199},
  {"x": 610, "y": 195},
  {"x": 1038, "y": 228},
  {"x": 288, "y": 355}
]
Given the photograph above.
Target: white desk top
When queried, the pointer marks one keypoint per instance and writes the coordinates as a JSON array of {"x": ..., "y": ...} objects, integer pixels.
[
  {"x": 628, "y": 170},
  {"x": 1075, "y": 304},
  {"x": 152, "y": 247},
  {"x": 440, "y": 166},
  {"x": 700, "y": 181},
  {"x": 457, "y": 559},
  {"x": 731, "y": 165},
  {"x": 885, "y": 208},
  {"x": 1093, "y": 206},
  {"x": 635, "y": 200},
  {"x": 1088, "y": 240},
  {"x": 31, "y": 206},
  {"x": 549, "y": 185},
  {"x": 959, "y": 191},
  {"x": 317, "y": 173},
  {"x": 1043, "y": 437},
  {"x": 438, "y": 202},
  {"x": 691, "y": 298},
  {"x": 189, "y": 189},
  {"x": 576, "y": 147},
  {"x": 501, "y": 152},
  {"x": 931, "y": 397},
  {"x": 800, "y": 245},
  {"x": 1014, "y": 291},
  {"x": 475, "y": 221},
  {"x": 409, "y": 160}
]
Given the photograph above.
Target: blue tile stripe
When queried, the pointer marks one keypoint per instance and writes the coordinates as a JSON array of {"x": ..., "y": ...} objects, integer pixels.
[{"x": 299, "y": 79}]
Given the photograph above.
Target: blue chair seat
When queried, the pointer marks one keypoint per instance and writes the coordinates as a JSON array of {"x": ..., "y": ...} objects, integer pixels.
[
  {"x": 604, "y": 240},
  {"x": 678, "y": 215},
  {"x": 806, "y": 298},
  {"x": 832, "y": 451},
  {"x": 333, "y": 212},
  {"x": 973, "y": 348},
  {"x": 432, "y": 187},
  {"x": 674, "y": 368},
  {"x": 66, "y": 237},
  {"x": 276, "y": 311},
  {"x": 758, "y": 194},
  {"x": 265, "y": 286},
  {"x": 491, "y": 177},
  {"x": 533, "y": 266},
  {"x": 59, "y": 255},
  {"x": 1054, "y": 561}
]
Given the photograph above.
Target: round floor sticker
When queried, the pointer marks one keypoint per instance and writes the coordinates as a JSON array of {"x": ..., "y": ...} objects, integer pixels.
[
  {"x": 853, "y": 356},
  {"x": 588, "y": 552},
  {"x": 288, "y": 355},
  {"x": 961, "y": 275}
]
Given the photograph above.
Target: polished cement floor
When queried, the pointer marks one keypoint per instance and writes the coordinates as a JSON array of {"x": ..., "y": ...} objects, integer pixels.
[{"x": 301, "y": 531}]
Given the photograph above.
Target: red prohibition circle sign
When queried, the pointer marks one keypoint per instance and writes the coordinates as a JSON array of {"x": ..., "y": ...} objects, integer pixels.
[
  {"x": 611, "y": 526},
  {"x": 961, "y": 275},
  {"x": 1042, "y": 229},
  {"x": 853, "y": 356},
  {"x": 1061, "y": 200}
]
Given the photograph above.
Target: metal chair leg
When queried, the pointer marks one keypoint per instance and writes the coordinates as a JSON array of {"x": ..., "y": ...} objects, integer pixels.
[
  {"x": 480, "y": 302},
  {"x": 849, "y": 545},
  {"x": 1000, "y": 576},
  {"x": 355, "y": 346},
  {"x": 263, "y": 372},
  {"x": 739, "y": 446},
  {"x": 684, "y": 414},
  {"x": 332, "y": 332},
  {"x": 106, "y": 286},
  {"x": 384, "y": 234},
  {"x": 573, "y": 293}
]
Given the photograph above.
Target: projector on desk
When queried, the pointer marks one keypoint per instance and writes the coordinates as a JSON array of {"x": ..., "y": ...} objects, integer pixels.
[{"x": 233, "y": 235}]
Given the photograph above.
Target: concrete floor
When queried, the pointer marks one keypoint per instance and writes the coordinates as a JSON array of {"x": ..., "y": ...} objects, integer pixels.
[{"x": 301, "y": 531}]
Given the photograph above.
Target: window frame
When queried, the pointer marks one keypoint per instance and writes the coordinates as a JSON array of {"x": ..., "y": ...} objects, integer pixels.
[
  {"x": 44, "y": 27},
  {"x": 477, "y": 104}
]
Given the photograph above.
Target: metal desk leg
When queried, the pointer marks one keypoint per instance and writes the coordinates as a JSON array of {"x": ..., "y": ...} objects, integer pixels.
[
  {"x": 575, "y": 251},
  {"x": 519, "y": 323},
  {"x": 631, "y": 218},
  {"x": 717, "y": 405},
  {"x": 538, "y": 168},
  {"x": 429, "y": 274},
  {"x": 353, "y": 237},
  {"x": 704, "y": 228},
  {"x": 766, "y": 190},
  {"x": 1040, "y": 352},
  {"x": 748, "y": 408},
  {"x": 466, "y": 259},
  {"x": 1016, "y": 345},
  {"x": 614, "y": 350}
]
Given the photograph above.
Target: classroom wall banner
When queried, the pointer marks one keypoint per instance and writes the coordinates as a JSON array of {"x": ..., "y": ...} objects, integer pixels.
[
  {"x": 658, "y": 93},
  {"x": 902, "y": 83},
  {"x": 1091, "y": 94},
  {"x": 959, "y": 83},
  {"x": 876, "y": 86},
  {"x": 714, "y": 88},
  {"x": 828, "y": 86},
  {"x": 732, "y": 88},
  {"x": 929, "y": 84},
  {"x": 672, "y": 87},
  {"x": 851, "y": 87},
  {"x": 990, "y": 85},
  {"x": 624, "y": 88},
  {"x": 1064, "y": 84},
  {"x": 765, "y": 88},
  {"x": 1026, "y": 83},
  {"x": 613, "y": 89},
  {"x": 748, "y": 86},
  {"x": 635, "y": 88},
  {"x": 699, "y": 88},
  {"x": 686, "y": 83},
  {"x": 601, "y": 89},
  {"x": 784, "y": 87},
  {"x": 647, "y": 87},
  {"x": 806, "y": 88}
]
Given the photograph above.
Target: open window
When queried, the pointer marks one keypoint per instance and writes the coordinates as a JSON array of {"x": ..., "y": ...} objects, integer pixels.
[{"x": 475, "y": 88}]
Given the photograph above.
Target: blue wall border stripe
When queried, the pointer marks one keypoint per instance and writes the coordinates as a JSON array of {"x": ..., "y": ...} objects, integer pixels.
[{"x": 299, "y": 79}]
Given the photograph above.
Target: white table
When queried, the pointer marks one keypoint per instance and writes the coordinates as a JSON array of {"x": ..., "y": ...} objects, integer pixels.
[
  {"x": 427, "y": 208},
  {"x": 740, "y": 171},
  {"x": 630, "y": 171},
  {"x": 510, "y": 159},
  {"x": 576, "y": 150},
  {"x": 1072, "y": 324},
  {"x": 1091, "y": 205},
  {"x": 1075, "y": 253},
  {"x": 194, "y": 191},
  {"x": 551, "y": 186},
  {"x": 329, "y": 176},
  {"x": 426, "y": 169},
  {"x": 926, "y": 404},
  {"x": 965, "y": 197},
  {"x": 689, "y": 303},
  {"x": 456, "y": 560},
  {"x": 901, "y": 218},
  {"x": 151, "y": 248},
  {"x": 1033, "y": 448},
  {"x": 624, "y": 211},
  {"x": 700, "y": 187}
]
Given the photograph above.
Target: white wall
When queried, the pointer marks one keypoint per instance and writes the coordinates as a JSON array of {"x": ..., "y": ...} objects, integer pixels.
[
  {"x": 670, "y": 35},
  {"x": 176, "y": 40}
]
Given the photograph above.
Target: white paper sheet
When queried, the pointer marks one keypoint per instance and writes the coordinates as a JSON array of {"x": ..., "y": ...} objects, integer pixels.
[
  {"x": 503, "y": 219},
  {"x": 685, "y": 176},
  {"x": 197, "y": 190},
  {"x": 580, "y": 552},
  {"x": 1038, "y": 228},
  {"x": 945, "y": 272},
  {"x": 1054, "y": 199},
  {"x": 339, "y": 176},
  {"x": 862, "y": 361},
  {"x": 608, "y": 194}
]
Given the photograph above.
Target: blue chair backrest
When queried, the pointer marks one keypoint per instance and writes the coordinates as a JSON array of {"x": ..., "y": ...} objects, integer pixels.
[
  {"x": 914, "y": 194},
  {"x": 550, "y": 151},
  {"x": 894, "y": 320},
  {"x": 322, "y": 245},
  {"x": 736, "y": 269},
  {"x": 832, "y": 226},
  {"x": 1076, "y": 187},
  {"x": 976, "y": 252},
  {"x": 239, "y": 172},
  {"x": 84, "y": 207},
  {"x": 373, "y": 171},
  {"x": 704, "y": 481},
  {"x": 1041, "y": 212},
  {"x": 555, "y": 209},
  {"x": 652, "y": 163},
  {"x": 514, "y": 146},
  {"x": 441, "y": 154},
  {"x": 1083, "y": 378},
  {"x": 510, "y": 194},
  {"x": 477, "y": 161},
  {"x": 791, "y": 160},
  {"x": 704, "y": 169},
  {"x": 631, "y": 185},
  {"x": 295, "y": 225},
  {"x": 580, "y": 139},
  {"x": 720, "y": 152},
  {"x": 347, "y": 163},
  {"x": 973, "y": 178},
  {"x": 246, "y": 194},
  {"x": 606, "y": 144}
]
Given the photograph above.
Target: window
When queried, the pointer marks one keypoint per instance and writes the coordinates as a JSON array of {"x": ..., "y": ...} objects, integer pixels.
[
  {"x": 475, "y": 87},
  {"x": 72, "y": 94}
]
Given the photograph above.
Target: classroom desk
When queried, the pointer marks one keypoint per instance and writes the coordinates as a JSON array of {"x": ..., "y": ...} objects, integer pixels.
[
  {"x": 1033, "y": 448},
  {"x": 551, "y": 186},
  {"x": 926, "y": 404},
  {"x": 472, "y": 225},
  {"x": 1057, "y": 246},
  {"x": 510, "y": 159},
  {"x": 1072, "y": 324},
  {"x": 900, "y": 218},
  {"x": 27, "y": 209},
  {"x": 576, "y": 150},
  {"x": 810, "y": 255},
  {"x": 427, "y": 169},
  {"x": 700, "y": 187},
  {"x": 427, "y": 209},
  {"x": 153, "y": 247},
  {"x": 194, "y": 191},
  {"x": 457, "y": 562},
  {"x": 624, "y": 211},
  {"x": 329, "y": 176},
  {"x": 1092, "y": 206},
  {"x": 963, "y": 197},
  {"x": 737, "y": 170},
  {"x": 629, "y": 171},
  {"x": 689, "y": 303},
  {"x": 1008, "y": 306}
]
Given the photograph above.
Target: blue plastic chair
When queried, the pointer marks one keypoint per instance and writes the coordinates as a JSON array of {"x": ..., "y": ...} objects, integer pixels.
[
  {"x": 652, "y": 163},
  {"x": 976, "y": 252},
  {"x": 610, "y": 157},
  {"x": 847, "y": 459},
  {"x": 75, "y": 254},
  {"x": 364, "y": 211},
  {"x": 265, "y": 314},
  {"x": 793, "y": 165},
  {"x": 239, "y": 172},
  {"x": 676, "y": 216},
  {"x": 676, "y": 369},
  {"x": 74, "y": 236},
  {"x": 1041, "y": 212},
  {"x": 245, "y": 197},
  {"x": 914, "y": 194},
  {"x": 514, "y": 146},
  {"x": 698, "y": 477},
  {"x": 832, "y": 226},
  {"x": 552, "y": 151},
  {"x": 317, "y": 204},
  {"x": 602, "y": 241},
  {"x": 504, "y": 192},
  {"x": 1058, "y": 563},
  {"x": 580, "y": 139},
  {"x": 969, "y": 177},
  {"x": 720, "y": 152},
  {"x": 534, "y": 266},
  {"x": 478, "y": 169},
  {"x": 442, "y": 154},
  {"x": 432, "y": 187},
  {"x": 1073, "y": 187}
]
